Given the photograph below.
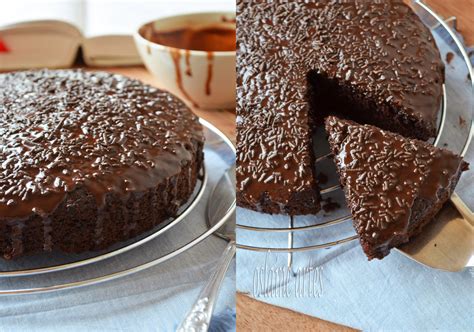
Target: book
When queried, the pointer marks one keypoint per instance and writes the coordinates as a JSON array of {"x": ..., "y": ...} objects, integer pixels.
[{"x": 50, "y": 33}]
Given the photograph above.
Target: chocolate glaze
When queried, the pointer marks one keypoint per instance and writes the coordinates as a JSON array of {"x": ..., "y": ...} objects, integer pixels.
[
  {"x": 376, "y": 56},
  {"x": 393, "y": 185},
  {"x": 65, "y": 131},
  {"x": 211, "y": 38}
]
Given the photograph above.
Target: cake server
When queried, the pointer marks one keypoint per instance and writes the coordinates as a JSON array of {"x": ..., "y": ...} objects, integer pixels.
[
  {"x": 447, "y": 243},
  {"x": 219, "y": 203}
]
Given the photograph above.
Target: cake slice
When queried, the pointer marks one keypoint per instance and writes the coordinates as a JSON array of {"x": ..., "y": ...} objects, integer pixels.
[{"x": 393, "y": 185}]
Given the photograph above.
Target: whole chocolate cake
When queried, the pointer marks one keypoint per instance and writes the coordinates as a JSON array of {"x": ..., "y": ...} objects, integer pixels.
[
  {"x": 374, "y": 62},
  {"x": 394, "y": 185},
  {"x": 90, "y": 159}
]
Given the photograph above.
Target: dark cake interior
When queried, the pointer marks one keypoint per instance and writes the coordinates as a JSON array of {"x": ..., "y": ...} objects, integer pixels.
[
  {"x": 332, "y": 96},
  {"x": 394, "y": 185}
]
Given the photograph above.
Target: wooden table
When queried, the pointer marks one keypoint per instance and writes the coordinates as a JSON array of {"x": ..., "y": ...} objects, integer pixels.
[
  {"x": 464, "y": 12},
  {"x": 253, "y": 315}
]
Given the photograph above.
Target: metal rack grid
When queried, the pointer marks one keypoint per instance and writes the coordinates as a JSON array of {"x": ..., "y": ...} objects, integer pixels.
[
  {"x": 195, "y": 199},
  {"x": 292, "y": 229}
]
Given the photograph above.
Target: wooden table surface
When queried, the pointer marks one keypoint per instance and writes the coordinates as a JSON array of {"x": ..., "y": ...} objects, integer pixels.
[
  {"x": 253, "y": 315},
  {"x": 464, "y": 12}
]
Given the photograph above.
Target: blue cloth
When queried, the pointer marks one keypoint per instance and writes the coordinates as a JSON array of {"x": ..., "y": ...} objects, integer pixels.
[{"x": 395, "y": 293}]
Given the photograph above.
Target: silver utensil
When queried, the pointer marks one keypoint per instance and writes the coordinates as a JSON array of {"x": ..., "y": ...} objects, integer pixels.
[
  {"x": 219, "y": 203},
  {"x": 446, "y": 243}
]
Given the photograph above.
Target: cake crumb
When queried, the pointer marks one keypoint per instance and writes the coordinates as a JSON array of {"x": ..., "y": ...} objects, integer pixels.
[
  {"x": 462, "y": 121},
  {"x": 449, "y": 57}
]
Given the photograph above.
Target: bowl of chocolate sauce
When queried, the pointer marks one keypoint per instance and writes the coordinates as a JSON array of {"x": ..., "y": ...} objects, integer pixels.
[{"x": 193, "y": 57}]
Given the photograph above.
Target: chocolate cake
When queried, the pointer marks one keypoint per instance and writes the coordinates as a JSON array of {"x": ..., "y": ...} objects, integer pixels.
[
  {"x": 90, "y": 159},
  {"x": 374, "y": 62},
  {"x": 394, "y": 185}
]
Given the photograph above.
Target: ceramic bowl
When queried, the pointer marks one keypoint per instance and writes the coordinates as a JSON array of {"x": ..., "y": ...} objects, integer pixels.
[{"x": 202, "y": 79}]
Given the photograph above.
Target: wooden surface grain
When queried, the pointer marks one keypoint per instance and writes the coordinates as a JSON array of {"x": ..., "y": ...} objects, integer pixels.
[
  {"x": 253, "y": 315},
  {"x": 464, "y": 12}
]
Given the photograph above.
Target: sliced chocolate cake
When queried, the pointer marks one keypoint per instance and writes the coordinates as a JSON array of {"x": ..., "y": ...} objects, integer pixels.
[
  {"x": 90, "y": 159},
  {"x": 374, "y": 62},
  {"x": 394, "y": 185}
]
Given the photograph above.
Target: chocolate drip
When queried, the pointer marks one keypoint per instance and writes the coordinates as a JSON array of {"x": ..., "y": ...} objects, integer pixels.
[
  {"x": 210, "y": 65},
  {"x": 187, "y": 56},
  {"x": 176, "y": 56}
]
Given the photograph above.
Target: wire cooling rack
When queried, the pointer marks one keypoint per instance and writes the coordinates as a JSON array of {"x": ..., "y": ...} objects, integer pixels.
[
  {"x": 90, "y": 258},
  {"x": 451, "y": 110},
  {"x": 29, "y": 276}
]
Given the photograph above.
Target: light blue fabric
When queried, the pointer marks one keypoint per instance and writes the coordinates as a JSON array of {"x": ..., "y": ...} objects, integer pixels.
[
  {"x": 395, "y": 293},
  {"x": 156, "y": 299}
]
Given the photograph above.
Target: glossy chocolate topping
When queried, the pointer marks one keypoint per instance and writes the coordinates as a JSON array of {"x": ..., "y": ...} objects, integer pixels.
[
  {"x": 380, "y": 50},
  {"x": 64, "y": 129},
  {"x": 384, "y": 174}
]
